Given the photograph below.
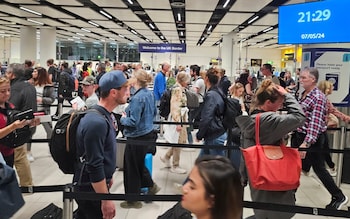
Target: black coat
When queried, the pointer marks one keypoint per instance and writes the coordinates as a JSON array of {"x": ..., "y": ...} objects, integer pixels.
[{"x": 23, "y": 95}]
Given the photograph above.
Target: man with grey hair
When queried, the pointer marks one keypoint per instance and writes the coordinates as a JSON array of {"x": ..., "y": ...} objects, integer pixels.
[
  {"x": 23, "y": 97},
  {"x": 313, "y": 135}
]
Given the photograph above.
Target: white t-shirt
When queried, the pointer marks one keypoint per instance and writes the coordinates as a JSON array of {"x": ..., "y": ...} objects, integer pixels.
[{"x": 199, "y": 84}]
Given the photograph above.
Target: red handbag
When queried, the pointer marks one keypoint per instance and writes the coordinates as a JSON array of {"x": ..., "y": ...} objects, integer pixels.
[{"x": 270, "y": 167}]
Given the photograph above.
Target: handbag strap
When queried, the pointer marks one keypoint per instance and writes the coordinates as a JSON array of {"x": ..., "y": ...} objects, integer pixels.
[{"x": 257, "y": 129}]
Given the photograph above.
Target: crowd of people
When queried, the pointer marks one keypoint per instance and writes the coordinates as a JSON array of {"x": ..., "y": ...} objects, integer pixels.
[{"x": 214, "y": 188}]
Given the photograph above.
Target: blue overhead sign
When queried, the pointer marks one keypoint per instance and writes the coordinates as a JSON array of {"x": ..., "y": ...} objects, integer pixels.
[
  {"x": 162, "y": 47},
  {"x": 314, "y": 22}
]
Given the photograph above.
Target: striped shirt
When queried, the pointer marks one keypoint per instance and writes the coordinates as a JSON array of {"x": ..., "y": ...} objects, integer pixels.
[{"x": 315, "y": 109}]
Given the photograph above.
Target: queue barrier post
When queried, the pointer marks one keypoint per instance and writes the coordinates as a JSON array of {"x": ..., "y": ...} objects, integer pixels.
[
  {"x": 68, "y": 204},
  {"x": 341, "y": 155}
]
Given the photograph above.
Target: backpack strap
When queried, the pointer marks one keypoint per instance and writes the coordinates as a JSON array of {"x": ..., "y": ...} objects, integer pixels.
[{"x": 81, "y": 159}]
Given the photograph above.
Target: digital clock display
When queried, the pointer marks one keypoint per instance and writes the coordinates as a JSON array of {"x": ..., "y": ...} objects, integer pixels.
[{"x": 314, "y": 22}]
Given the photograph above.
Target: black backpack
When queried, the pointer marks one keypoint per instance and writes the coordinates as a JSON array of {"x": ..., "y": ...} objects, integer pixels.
[
  {"x": 232, "y": 110},
  {"x": 63, "y": 140},
  {"x": 164, "y": 105},
  {"x": 176, "y": 212},
  {"x": 51, "y": 211}
]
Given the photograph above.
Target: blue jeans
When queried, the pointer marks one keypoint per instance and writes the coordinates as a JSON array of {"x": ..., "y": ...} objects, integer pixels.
[{"x": 215, "y": 141}]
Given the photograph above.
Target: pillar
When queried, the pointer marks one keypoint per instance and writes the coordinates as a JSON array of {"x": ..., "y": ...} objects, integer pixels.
[
  {"x": 230, "y": 54},
  {"x": 27, "y": 43},
  {"x": 47, "y": 45}
]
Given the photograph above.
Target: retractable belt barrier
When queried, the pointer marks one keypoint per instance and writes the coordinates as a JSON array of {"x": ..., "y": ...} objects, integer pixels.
[{"x": 69, "y": 195}]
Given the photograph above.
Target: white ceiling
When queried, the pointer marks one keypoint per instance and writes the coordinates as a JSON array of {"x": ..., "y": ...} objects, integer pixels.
[{"x": 69, "y": 16}]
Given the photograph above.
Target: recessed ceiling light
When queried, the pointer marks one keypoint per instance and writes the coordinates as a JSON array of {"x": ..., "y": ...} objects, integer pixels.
[
  {"x": 86, "y": 30},
  {"x": 253, "y": 19},
  {"x": 151, "y": 25},
  {"x": 130, "y": 2},
  {"x": 36, "y": 22},
  {"x": 31, "y": 11},
  {"x": 92, "y": 23},
  {"x": 177, "y": 4},
  {"x": 226, "y": 3},
  {"x": 267, "y": 29},
  {"x": 106, "y": 14},
  {"x": 178, "y": 16}
]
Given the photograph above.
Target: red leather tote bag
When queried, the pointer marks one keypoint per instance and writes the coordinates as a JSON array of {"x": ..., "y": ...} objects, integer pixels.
[{"x": 271, "y": 167}]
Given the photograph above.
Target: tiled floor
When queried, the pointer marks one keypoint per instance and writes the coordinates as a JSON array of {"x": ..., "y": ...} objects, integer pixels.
[{"x": 45, "y": 172}]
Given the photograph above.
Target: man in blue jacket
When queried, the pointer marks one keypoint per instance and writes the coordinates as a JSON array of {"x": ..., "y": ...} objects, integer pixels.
[{"x": 159, "y": 87}]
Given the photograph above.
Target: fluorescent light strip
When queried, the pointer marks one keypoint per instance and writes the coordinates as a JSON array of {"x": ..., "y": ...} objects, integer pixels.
[
  {"x": 162, "y": 37},
  {"x": 122, "y": 36},
  {"x": 31, "y": 11},
  {"x": 178, "y": 16},
  {"x": 226, "y": 3},
  {"x": 112, "y": 39},
  {"x": 181, "y": 33},
  {"x": 268, "y": 29},
  {"x": 211, "y": 26},
  {"x": 105, "y": 14},
  {"x": 134, "y": 32},
  {"x": 253, "y": 19},
  {"x": 130, "y": 2},
  {"x": 86, "y": 30},
  {"x": 151, "y": 25},
  {"x": 275, "y": 37},
  {"x": 80, "y": 34},
  {"x": 37, "y": 22},
  {"x": 92, "y": 23},
  {"x": 76, "y": 37}
]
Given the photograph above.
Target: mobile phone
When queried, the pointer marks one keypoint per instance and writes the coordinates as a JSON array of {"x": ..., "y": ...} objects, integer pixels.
[{"x": 27, "y": 114}]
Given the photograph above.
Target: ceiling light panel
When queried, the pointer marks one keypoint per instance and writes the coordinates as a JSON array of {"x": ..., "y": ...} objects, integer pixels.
[
  {"x": 109, "y": 3},
  {"x": 123, "y": 14},
  {"x": 16, "y": 11},
  {"x": 160, "y": 16},
  {"x": 163, "y": 4},
  {"x": 198, "y": 17},
  {"x": 65, "y": 2},
  {"x": 137, "y": 25},
  {"x": 242, "y": 5},
  {"x": 267, "y": 19},
  {"x": 51, "y": 22},
  {"x": 30, "y": 11},
  {"x": 76, "y": 22},
  {"x": 86, "y": 13},
  {"x": 206, "y": 5},
  {"x": 235, "y": 18},
  {"x": 46, "y": 10}
]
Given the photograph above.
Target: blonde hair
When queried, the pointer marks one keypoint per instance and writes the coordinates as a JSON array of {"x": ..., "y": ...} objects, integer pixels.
[
  {"x": 143, "y": 78},
  {"x": 324, "y": 85},
  {"x": 182, "y": 76},
  {"x": 235, "y": 87},
  {"x": 4, "y": 80}
]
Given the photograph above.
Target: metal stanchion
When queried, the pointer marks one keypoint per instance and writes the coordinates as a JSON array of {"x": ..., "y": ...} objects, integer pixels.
[
  {"x": 68, "y": 204},
  {"x": 341, "y": 155}
]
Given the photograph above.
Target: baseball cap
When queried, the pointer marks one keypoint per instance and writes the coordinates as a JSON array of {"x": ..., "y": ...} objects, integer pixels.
[
  {"x": 88, "y": 80},
  {"x": 112, "y": 79}
]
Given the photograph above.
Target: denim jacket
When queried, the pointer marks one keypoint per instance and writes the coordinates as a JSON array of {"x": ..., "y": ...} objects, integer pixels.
[{"x": 139, "y": 114}]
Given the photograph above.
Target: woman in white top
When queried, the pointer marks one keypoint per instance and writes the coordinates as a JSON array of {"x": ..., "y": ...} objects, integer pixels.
[{"x": 44, "y": 97}]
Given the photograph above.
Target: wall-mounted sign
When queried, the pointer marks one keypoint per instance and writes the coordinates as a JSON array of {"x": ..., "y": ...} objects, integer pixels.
[
  {"x": 162, "y": 47},
  {"x": 314, "y": 22}
]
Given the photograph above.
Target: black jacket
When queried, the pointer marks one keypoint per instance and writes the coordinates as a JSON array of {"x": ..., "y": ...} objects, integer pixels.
[
  {"x": 210, "y": 125},
  {"x": 224, "y": 84},
  {"x": 23, "y": 95}
]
